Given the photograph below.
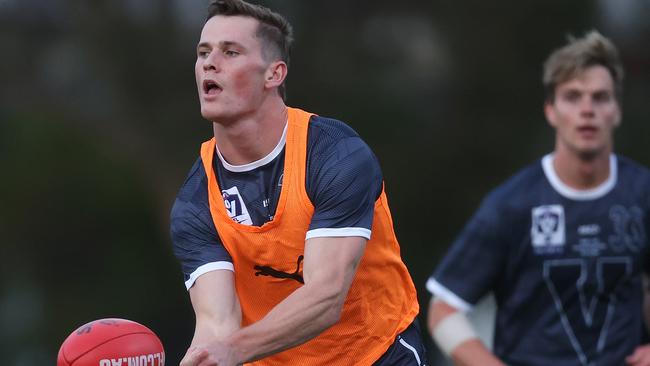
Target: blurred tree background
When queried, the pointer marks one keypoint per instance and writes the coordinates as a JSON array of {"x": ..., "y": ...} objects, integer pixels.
[{"x": 100, "y": 123}]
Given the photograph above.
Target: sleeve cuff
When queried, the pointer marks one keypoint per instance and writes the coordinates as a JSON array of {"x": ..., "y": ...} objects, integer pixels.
[
  {"x": 444, "y": 294},
  {"x": 208, "y": 267},
  {"x": 337, "y": 233}
]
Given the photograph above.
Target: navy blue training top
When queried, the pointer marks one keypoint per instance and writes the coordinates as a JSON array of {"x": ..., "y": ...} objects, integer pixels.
[
  {"x": 564, "y": 265},
  {"x": 343, "y": 182}
]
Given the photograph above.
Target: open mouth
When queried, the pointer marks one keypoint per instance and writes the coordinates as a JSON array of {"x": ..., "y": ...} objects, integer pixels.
[
  {"x": 210, "y": 87},
  {"x": 588, "y": 131}
]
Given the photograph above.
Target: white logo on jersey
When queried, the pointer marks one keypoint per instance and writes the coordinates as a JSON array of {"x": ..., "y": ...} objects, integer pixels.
[
  {"x": 629, "y": 232},
  {"x": 589, "y": 229},
  {"x": 547, "y": 226},
  {"x": 235, "y": 206}
]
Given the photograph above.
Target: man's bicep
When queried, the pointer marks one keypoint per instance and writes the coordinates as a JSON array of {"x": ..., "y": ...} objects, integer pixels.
[
  {"x": 343, "y": 188},
  {"x": 333, "y": 261},
  {"x": 474, "y": 262}
]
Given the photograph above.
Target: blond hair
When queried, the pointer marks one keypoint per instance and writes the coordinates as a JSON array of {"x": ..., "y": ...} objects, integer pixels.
[{"x": 576, "y": 56}]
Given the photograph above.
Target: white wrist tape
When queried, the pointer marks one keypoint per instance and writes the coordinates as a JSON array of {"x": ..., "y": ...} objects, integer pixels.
[{"x": 452, "y": 331}]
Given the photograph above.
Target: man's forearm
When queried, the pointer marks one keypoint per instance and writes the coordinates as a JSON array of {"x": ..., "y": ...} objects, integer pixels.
[
  {"x": 303, "y": 315},
  {"x": 216, "y": 316},
  {"x": 456, "y": 337},
  {"x": 209, "y": 330},
  {"x": 474, "y": 353}
]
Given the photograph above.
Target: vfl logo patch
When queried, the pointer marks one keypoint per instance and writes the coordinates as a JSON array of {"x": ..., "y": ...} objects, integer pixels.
[
  {"x": 235, "y": 206},
  {"x": 547, "y": 226}
]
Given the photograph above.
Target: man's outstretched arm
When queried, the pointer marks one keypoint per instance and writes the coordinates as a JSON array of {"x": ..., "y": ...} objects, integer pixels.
[
  {"x": 216, "y": 307},
  {"x": 328, "y": 270}
]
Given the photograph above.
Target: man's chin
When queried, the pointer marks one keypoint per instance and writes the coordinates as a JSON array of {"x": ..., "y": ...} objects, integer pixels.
[
  {"x": 212, "y": 115},
  {"x": 590, "y": 153}
]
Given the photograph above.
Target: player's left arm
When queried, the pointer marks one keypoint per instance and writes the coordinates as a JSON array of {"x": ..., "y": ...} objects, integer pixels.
[{"x": 328, "y": 270}]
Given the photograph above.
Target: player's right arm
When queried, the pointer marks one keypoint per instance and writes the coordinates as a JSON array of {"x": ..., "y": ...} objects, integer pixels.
[
  {"x": 217, "y": 312},
  {"x": 206, "y": 264},
  {"x": 456, "y": 337},
  {"x": 470, "y": 269}
]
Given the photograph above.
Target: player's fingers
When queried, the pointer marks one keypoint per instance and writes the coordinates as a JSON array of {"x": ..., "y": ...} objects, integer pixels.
[
  {"x": 643, "y": 361},
  {"x": 194, "y": 357},
  {"x": 633, "y": 357},
  {"x": 208, "y": 362},
  {"x": 631, "y": 360},
  {"x": 640, "y": 357}
]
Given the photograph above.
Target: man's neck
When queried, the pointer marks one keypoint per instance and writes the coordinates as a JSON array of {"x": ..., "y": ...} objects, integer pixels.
[
  {"x": 581, "y": 173},
  {"x": 252, "y": 137}
]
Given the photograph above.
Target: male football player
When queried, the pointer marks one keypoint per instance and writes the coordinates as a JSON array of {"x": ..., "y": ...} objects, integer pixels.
[
  {"x": 283, "y": 228},
  {"x": 563, "y": 244}
]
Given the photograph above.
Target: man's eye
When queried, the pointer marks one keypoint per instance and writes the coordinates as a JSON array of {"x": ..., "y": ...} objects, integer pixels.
[
  {"x": 602, "y": 97},
  {"x": 203, "y": 54},
  {"x": 572, "y": 97},
  {"x": 230, "y": 53}
]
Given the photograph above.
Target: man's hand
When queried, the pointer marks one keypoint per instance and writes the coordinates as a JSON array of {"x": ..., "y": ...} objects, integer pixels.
[
  {"x": 215, "y": 354},
  {"x": 193, "y": 357},
  {"x": 640, "y": 357}
]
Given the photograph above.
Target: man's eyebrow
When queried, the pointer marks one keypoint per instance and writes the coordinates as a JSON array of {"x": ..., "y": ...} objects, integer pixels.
[
  {"x": 230, "y": 43},
  {"x": 220, "y": 44},
  {"x": 602, "y": 90}
]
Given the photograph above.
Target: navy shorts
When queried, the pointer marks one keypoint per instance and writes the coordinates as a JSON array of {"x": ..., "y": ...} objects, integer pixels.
[{"x": 407, "y": 350}]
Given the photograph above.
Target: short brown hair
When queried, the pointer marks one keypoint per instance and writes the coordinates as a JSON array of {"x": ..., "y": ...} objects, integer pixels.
[
  {"x": 576, "y": 56},
  {"x": 274, "y": 30}
]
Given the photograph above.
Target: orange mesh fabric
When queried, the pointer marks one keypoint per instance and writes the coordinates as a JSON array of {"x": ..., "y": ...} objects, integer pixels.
[{"x": 382, "y": 300}]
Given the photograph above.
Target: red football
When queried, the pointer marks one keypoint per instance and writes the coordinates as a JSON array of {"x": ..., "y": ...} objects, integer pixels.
[{"x": 111, "y": 342}]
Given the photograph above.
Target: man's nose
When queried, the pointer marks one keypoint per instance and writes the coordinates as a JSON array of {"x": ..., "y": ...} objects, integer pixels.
[
  {"x": 211, "y": 62},
  {"x": 587, "y": 107}
]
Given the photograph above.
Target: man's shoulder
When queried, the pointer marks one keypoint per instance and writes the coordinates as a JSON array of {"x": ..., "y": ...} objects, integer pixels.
[
  {"x": 329, "y": 128},
  {"x": 633, "y": 177},
  {"x": 332, "y": 139},
  {"x": 195, "y": 185},
  {"x": 336, "y": 155},
  {"x": 630, "y": 168},
  {"x": 191, "y": 207},
  {"x": 519, "y": 187}
]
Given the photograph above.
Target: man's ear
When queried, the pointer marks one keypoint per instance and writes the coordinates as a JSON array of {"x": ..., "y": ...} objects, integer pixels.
[
  {"x": 275, "y": 74},
  {"x": 549, "y": 112}
]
